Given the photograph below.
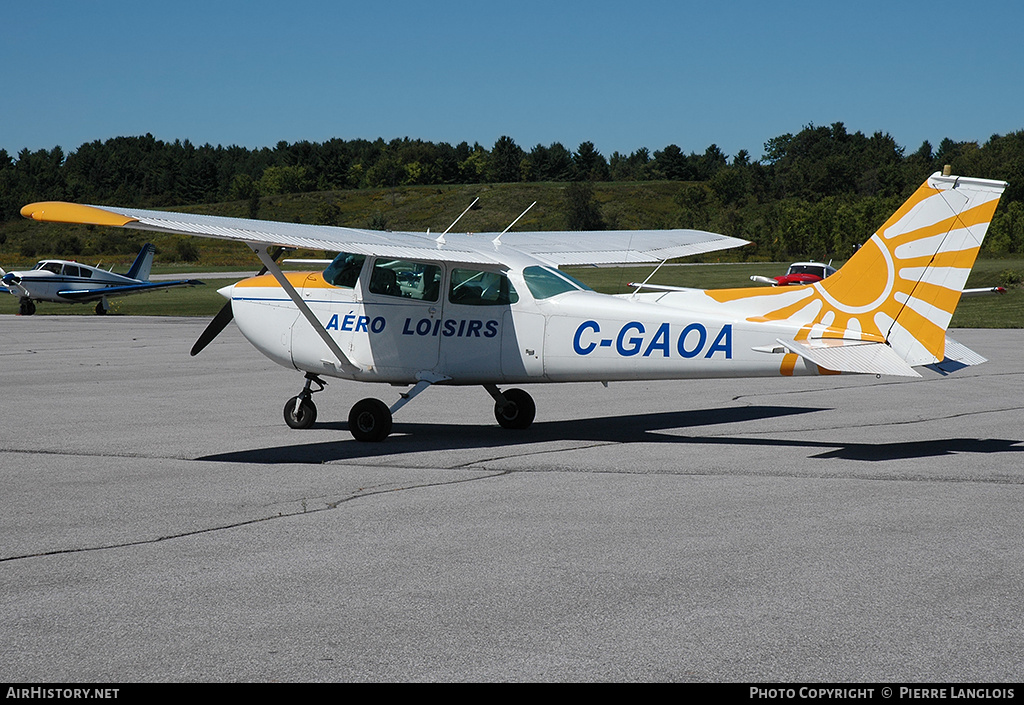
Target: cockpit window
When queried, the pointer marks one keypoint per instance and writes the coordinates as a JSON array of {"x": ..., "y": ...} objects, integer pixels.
[
  {"x": 473, "y": 287},
  {"x": 344, "y": 270},
  {"x": 545, "y": 282},
  {"x": 49, "y": 267}
]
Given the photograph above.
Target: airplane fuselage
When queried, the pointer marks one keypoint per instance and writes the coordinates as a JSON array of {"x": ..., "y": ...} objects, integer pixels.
[{"x": 574, "y": 335}]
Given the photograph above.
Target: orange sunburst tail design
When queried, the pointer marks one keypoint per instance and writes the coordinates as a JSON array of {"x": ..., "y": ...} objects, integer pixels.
[{"x": 905, "y": 282}]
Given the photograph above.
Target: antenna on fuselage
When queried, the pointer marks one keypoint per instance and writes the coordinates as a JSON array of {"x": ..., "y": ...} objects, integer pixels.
[
  {"x": 497, "y": 240},
  {"x": 440, "y": 238}
]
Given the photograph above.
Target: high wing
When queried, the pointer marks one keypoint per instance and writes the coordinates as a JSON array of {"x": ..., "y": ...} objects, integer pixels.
[
  {"x": 123, "y": 290},
  {"x": 556, "y": 248}
]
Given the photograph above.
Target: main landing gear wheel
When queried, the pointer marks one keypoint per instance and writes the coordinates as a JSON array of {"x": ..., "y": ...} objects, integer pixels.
[
  {"x": 299, "y": 412},
  {"x": 370, "y": 420},
  {"x": 518, "y": 410}
]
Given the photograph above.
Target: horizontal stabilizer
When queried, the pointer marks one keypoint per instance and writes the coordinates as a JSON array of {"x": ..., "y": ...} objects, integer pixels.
[
  {"x": 958, "y": 356},
  {"x": 857, "y": 356}
]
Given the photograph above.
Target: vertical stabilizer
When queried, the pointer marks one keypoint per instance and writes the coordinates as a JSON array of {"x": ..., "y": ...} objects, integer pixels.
[
  {"x": 899, "y": 290},
  {"x": 906, "y": 281},
  {"x": 143, "y": 263}
]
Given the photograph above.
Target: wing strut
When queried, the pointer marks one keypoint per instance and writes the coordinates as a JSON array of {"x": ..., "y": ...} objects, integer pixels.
[
  {"x": 644, "y": 283},
  {"x": 261, "y": 251}
]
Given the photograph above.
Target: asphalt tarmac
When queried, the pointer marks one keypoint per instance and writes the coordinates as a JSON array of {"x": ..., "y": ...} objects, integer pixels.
[{"x": 160, "y": 522}]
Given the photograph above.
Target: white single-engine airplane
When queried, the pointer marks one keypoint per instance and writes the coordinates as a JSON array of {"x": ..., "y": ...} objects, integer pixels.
[
  {"x": 493, "y": 309},
  {"x": 69, "y": 282}
]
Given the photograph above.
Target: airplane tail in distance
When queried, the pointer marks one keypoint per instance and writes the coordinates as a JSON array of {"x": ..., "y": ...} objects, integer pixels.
[
  {"x": 905, "y": 282},
  {"x": 143, "y": 263}
]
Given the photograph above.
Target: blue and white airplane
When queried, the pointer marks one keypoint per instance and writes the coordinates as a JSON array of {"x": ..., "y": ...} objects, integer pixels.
[{"x": 70, "y": 282}]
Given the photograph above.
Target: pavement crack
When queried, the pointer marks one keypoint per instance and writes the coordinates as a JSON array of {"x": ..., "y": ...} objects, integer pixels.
[
  {"x": 304, "y": 510},
  {"x": 546, "y": 451}
]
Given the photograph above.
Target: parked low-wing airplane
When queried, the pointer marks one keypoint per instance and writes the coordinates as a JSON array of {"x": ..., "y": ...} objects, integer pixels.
[
  {"x": 493, "y": 309},
  {"x": 70, "y": 282}
]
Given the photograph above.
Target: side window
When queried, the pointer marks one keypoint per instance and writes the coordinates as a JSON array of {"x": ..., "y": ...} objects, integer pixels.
[
  {"x": 70, "y": 270},
  {"x": 408, "y": 280},
  {"x": 472, "y": 287},
  {"x": 344, "y": 270}
]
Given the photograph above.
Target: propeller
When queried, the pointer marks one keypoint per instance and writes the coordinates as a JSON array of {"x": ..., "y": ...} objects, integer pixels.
[
  {"x": 224, "y": 316},
  {"x": 218, "y": 324}
]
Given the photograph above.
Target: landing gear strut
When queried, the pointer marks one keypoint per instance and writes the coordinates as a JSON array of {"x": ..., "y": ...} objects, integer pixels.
[{"x": 300, "y": 411}]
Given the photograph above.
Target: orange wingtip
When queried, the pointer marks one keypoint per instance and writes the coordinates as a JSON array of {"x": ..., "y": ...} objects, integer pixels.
[{"x": 59, "y": 212}]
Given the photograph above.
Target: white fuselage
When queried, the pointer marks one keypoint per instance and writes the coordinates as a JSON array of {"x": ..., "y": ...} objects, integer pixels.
[
  {"x": 50, "y": 277},
  {"x": 574, "y": 335}
]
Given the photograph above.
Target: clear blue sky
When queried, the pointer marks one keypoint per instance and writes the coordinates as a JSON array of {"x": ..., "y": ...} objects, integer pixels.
[{"x": 623, "y": 74}]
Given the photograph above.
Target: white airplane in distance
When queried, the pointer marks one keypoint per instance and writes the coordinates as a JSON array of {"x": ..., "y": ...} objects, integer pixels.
[
  {"x": 419, "y": 310},
  {"x": 70, "y": 282}
]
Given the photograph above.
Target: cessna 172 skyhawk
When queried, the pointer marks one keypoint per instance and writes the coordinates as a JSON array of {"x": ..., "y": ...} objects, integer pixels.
[
  {"x": 69, "y": 282},
  {"x": 492, "y": 309}
]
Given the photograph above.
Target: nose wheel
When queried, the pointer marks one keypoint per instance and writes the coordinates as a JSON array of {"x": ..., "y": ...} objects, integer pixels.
[{"x": 300, "y": 411}]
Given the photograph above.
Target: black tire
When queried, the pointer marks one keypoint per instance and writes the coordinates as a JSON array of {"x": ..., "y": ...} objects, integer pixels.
[
  {"x": 518, "y": 413},
  {"x": 26, "y": 307},
  {"x": 370, "y": 421},
  {"x": 100, "y": 309},
  {"x": 304, "y": 417}
]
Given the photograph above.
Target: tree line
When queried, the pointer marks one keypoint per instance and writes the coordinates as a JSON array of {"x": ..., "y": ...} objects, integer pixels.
[{"x": 815, "y": 192}]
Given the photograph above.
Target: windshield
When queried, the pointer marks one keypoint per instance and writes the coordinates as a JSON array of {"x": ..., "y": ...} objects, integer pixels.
[{"x": 344, "y": 270}]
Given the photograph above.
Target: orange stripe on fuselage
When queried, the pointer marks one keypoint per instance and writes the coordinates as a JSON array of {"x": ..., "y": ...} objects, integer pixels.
[{"x": 300, "y": 280}]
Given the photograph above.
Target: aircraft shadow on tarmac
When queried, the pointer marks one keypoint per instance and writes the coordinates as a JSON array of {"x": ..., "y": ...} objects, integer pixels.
[{"x": 634, "y": 428}]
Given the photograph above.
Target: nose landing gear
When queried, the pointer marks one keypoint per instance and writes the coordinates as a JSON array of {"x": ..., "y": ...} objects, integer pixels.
[{"x": 300, "y": 411}]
